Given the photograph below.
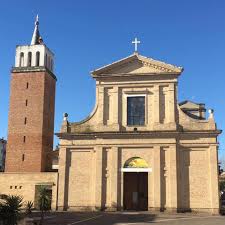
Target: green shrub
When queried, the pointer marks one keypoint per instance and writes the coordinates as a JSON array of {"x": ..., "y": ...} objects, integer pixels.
[
  {"x": 10, "y": 209},
  {"x": 29, "y": 207}
]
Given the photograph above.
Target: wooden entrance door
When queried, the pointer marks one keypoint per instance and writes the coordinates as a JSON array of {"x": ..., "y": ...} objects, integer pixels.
[{"x": 136, "y": 191}]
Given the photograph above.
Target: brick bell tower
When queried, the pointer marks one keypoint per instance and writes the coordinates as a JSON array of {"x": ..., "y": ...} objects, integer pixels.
[{"x": 32, "y": 107}]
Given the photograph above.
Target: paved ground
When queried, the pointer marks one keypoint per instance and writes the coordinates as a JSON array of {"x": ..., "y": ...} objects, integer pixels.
[{"x": 131, "y": 218}]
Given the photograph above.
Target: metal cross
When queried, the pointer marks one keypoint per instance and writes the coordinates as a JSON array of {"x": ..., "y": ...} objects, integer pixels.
[{"x": 136, "y": 42}]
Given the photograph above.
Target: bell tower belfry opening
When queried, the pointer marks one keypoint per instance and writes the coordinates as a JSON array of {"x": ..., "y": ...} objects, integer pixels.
[{"x": 32, "y": 107}]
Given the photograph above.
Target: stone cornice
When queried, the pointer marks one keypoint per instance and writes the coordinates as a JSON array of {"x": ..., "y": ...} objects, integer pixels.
[
  {"x": 33, "y": 69},
  {"x": 108, "y": 75},
  {"x": 132, "y": 134}
]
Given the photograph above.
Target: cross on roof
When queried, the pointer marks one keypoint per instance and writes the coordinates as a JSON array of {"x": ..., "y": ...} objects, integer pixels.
[{"x": 135, "y": 42}]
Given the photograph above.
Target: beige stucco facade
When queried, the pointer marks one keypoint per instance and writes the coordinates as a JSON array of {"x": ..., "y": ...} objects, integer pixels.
[{"x": 181, "y": 151}]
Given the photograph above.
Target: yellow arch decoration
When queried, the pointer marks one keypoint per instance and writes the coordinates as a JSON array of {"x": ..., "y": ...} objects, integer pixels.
[{"x": 136, "y": 162}]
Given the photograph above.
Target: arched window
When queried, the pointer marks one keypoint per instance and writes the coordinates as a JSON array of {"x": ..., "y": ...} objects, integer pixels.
[
  {"x": 21, "y": 59},
  {"x": 136, "y": 162},
  {"x": 29, "y": 59},
  {"x": 37, "y": 59}
]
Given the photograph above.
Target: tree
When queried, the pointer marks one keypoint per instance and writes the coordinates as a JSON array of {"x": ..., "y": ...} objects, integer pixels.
[
  {"x": 222, "y": 161},
  {"x": 10, "y": 209},
  {"x": 222, "y": 185},
  {"x": 44, "y": 201}
]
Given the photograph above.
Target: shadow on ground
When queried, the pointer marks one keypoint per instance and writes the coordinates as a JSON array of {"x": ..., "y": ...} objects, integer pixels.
[
  {"x": 96, "y": 218},
  {"x": 116, "y": 218}
]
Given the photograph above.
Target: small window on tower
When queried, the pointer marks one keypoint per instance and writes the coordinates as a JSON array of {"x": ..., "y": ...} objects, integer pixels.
[
  {"x": 37, "y": 58},
  {"x": 23, "y": 157},
  {"x": 27, "y": 85},
  {"x": 26, "y": 102},
  {"x": 29, "y": 59},
  {"x": 24, "y": 139},
  {"x": 21, "y": 59},
  {"x": 25, "y": 120}
]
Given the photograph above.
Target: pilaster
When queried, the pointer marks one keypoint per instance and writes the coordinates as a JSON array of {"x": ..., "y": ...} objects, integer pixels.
[
  {"x": 114, "y": 177},
  {"x": 63, "y": 179},
  {"x": 214, "y": 183},
  {"x": 100, "y": 105},
  {"x": 98, "y": 182},
  {"x": 115, "y": 104},
  {"x": 173, "y": 177},
  {"x": 93, "y": 179},
  {"x": 171, "y": 104},
  {"x": 157, "y": 177},
  {"x": 108, "y": 176},
  {"x": 156, "y": 104}
]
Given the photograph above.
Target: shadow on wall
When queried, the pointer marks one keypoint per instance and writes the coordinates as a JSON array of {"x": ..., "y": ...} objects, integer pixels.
[
  {"x": 104, "y": 178},
  {"x": 184, "y": 185},
  {"x": 66, "y": 190}
]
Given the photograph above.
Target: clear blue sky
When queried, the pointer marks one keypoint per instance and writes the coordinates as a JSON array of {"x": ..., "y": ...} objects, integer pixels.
[{"x": 85, "y": 35}]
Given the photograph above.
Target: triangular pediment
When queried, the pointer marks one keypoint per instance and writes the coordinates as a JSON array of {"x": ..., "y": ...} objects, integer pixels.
[
  {"x": 189, "y": 104},
  {"x": 137, "y": 64}
]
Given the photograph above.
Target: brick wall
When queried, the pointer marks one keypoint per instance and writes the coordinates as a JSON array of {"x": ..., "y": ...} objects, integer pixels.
[{"x": 31, "y": 121}]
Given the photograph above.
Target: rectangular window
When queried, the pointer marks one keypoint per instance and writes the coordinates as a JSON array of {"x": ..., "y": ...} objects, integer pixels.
[
  {"x": 23, "y": 157},
  {"x": 26, "y": 103},
  {"x": 24, "y": 139},
  {"x": 27, "y": 85},
  {"x": 136, "y": 110},
  {"x": 25, "y": 120}
]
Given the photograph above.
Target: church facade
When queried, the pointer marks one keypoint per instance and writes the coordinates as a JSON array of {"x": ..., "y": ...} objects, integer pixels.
[{"x": 138, "y": 150}]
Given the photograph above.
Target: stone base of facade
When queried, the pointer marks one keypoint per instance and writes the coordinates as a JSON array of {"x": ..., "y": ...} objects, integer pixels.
[
  {"x": 193, "y": 210},
  {"x": 213, "y": 211},
  {"x": 111, "y": 209},
  {"x": 150, "y": 209},
  {"x": 80, "y": 208}
]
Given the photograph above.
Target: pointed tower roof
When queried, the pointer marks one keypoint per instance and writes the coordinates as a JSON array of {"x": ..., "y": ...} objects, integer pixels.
[{"x": 36, "y": 38}]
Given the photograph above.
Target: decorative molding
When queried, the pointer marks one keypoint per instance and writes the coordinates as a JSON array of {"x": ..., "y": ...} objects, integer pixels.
[
  {"x": 136, "y": 170},
  {"x": 161, "y": 68},
  {"x": 33, "y": 69}
]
